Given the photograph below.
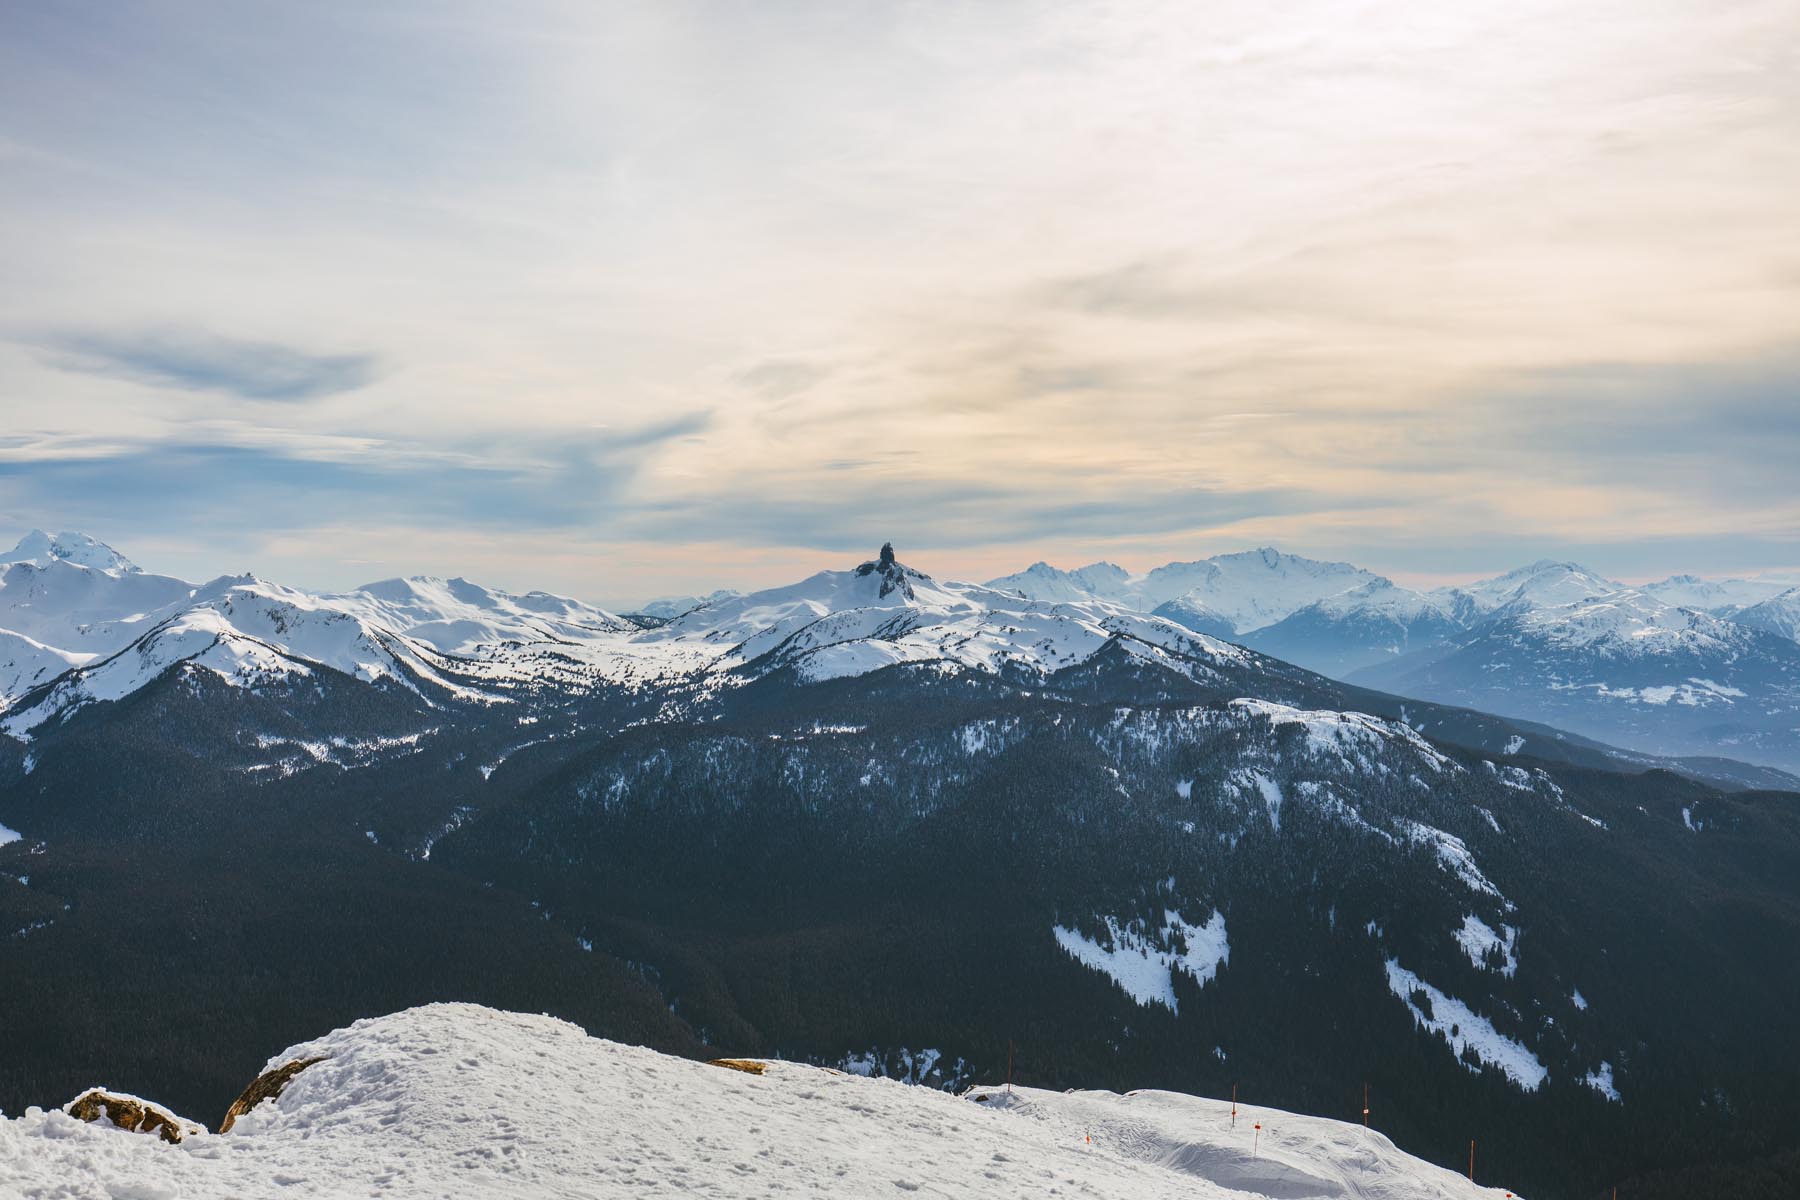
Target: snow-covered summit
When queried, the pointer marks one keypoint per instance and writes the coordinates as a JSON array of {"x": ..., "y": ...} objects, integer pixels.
[
  {"x": 1713, "y": 595},
  {"x": 41, "y": 549},
  {"x": 1545, "y": 582},
  {"x": 1385, "y": 598},
  {"x": 456, "y": 1099},
  {"x": 1628, "y": 623},
  {"x": 1041, "y": 581},
  {"x": 458, "y": 617}
]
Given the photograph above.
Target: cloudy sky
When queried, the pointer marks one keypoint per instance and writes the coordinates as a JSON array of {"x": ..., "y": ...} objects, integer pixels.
[{"x": 628, "y": 298}]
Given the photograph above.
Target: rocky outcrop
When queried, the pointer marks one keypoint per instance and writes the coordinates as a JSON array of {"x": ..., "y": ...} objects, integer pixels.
[
  {"x": 129, "y": 1112},
  {"x": 266, "y": 1086},
  {"x": 895, "y": 576},
  {"x": 748, "y": 1066}
]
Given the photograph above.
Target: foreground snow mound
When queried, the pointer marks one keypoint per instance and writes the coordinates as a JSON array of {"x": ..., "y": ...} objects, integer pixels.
[{"x": 455, "y": 1099}]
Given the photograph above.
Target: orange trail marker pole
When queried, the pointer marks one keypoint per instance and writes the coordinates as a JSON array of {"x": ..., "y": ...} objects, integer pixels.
[
  {"x": 1365, "y": 1108},
  {"x": 1471, "y": 1160},
  {"x": 1009, "y": 1056},
  {"x": 1234, "y": 1108},
  {"x": 1255, "y": 1139}
]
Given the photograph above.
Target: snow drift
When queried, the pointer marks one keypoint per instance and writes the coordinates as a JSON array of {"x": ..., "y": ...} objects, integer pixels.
[{"x": 456, "y": 1099}]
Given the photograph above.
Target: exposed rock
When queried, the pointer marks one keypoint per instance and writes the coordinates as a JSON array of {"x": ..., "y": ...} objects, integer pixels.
[
  {"x": 895, "y": 576},
  {"x": 747, "y": 1065},
  {"x": 266, "y": 1086},
  {"x": 129, "y": 1112}
]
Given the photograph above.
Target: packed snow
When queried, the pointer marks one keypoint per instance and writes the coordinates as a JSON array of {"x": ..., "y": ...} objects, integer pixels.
[
  {"x": 459, "y": 1100},
  {"x": 1143, "y": 963}
]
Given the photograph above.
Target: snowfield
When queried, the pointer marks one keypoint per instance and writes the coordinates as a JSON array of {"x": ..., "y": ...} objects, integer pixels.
[
  {"x": 460, "y": 1100},
  {"x": 1144, "y": 964}
]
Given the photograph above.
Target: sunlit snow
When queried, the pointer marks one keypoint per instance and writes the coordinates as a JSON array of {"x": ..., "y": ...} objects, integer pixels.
[{"x": 1143, "y": 963}]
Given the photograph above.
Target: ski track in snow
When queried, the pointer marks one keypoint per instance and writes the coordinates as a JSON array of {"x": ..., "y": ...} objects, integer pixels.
[{"x": 459, "y": 1100}]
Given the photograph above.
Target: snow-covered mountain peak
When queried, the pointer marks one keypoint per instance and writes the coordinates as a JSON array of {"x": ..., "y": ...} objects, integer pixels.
[
  {"x": 1041, "y": 581},
  {"x": 1628, "y": 622},
  {"x": 1252, "y": 588},
  {"x": 895, "y": 577},
  {"x": 1545, "y": 582},
  {"x": 1386, "y": 598},
  {"x": 41, "y": 549}
]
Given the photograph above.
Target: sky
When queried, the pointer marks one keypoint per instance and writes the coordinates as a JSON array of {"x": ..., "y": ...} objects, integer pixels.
[{"x": 636, "y": 298}]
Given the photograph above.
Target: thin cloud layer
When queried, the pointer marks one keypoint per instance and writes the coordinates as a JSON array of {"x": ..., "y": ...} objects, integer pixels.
[
  {"x": 198, "y": 362},
  {"x": 1431, "y": 288}
]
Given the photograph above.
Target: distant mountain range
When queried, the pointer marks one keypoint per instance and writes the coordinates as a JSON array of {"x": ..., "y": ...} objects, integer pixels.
[
  {"x": 1551, "y": 644},
  {"x": 1685, "y": 666}
]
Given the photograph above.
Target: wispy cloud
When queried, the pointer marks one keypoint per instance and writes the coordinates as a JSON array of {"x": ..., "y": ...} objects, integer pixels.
[{"x": 199, "y": 362}]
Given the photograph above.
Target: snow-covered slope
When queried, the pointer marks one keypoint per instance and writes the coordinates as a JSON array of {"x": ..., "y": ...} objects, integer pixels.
[
  {"x": 460, "y": 1100},
  {"x": 25, "y": 663},
  {"x": 1374, "y": 623},
  {"x": 1624, "y": 667},
  {"x": 249, "y": 633},
  {"x": 1779, "y": 614},
  {"x": 458, "y": 617},
  {"x": 84, "y": 610},
  {"x": 1712, "y": 595}
]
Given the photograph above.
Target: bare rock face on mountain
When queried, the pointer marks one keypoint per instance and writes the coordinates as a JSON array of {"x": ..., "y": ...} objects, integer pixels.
[
  {"x": 895, "y": 576},
  {"x": 129, "y": 1112},
  {"x": 266, "y": 1086}
]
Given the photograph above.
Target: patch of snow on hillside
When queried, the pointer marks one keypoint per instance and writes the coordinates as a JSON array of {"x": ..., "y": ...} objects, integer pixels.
[
  {"x": 1347, "y": 737},
  {"x": 8, "y": 835},
  {"x": 1452, "y": 854},
  {"x": 1477, "y": 938},
  {"x": 1267, "y": 788},
  {"x": 1465, "y": 1029},
  {"x": 1578, "y": 1000},
  {"x": 1601, "y": 1080},
  {"x": 1143, "y": 964}
]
